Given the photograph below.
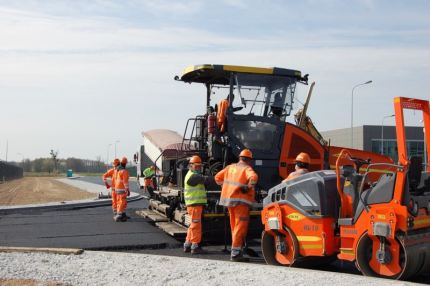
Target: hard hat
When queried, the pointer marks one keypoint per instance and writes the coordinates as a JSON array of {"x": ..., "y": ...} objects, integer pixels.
[
  {"x": 195, "y": 160},
  {"x": 116, "y": 162},
  {"x": 246, "y": 153},
  {"x": 124, "y": 160},
  {"x": 304, "y": 158}
]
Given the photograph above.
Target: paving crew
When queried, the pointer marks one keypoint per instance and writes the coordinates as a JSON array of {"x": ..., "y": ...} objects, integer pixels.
[
  {"x": 122, "y": 190},
  {"x": 238, "y": 194},
  {"x": 111, "y": 173},
  {"x": 195, "y": 195},
  {"x": 301, "y": 166},
  {"x": 148, "y": 183}
]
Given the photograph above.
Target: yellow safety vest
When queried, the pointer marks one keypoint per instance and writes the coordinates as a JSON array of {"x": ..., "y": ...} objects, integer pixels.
[{"x": 194, "y": 195}]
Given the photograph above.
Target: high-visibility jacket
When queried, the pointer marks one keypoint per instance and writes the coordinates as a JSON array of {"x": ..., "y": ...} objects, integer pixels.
[
  {"x": 296, "y": 174},
  {"x": 222, "y": 112},
  {"x": 194, "y": 195},
  {"x": 111, "y": 173},
  {"x": 121, "y": 180},
  {"x": 148, "y": 172},
  {"x": 235, "y": 179}
]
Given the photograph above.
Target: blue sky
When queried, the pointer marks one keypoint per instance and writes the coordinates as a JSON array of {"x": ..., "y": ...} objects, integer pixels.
[{"x": 78, "y": 75}]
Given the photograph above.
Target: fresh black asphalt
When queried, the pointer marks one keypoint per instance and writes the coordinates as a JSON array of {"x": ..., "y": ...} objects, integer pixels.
[{"x": 86, "y": 228}]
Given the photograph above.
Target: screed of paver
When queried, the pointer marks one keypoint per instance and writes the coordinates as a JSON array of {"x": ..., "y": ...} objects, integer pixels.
[{"x": 37, "y": 190}]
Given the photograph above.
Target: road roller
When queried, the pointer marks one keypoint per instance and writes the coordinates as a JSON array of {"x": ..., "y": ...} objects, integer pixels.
[{"x": 382, "y": 226}]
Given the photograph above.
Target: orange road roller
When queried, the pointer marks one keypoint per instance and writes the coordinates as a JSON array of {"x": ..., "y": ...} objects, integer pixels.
[{"x": 382, "y": 226}]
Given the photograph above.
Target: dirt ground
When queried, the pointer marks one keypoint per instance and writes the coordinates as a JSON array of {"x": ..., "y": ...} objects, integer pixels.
[
  {"x": 36, "y": 190},
  {"x": 28, "y": 282}
]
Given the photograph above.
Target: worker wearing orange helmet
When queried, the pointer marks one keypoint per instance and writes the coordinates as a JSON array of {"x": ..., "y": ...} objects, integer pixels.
[
  {"x": 122, "y": 190},
  {"x": 195, "y": 196},
  {"x": 238, "y": 195},
  {"x": 302, "y": 166},
  {"x": 111, "y": 173}
]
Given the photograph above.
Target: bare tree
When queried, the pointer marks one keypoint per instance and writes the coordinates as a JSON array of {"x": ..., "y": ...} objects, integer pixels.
[{"x": 54, "y": 155}]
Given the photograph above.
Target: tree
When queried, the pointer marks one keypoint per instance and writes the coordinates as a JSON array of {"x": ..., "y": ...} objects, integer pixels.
[{"x": 54, "y": 159}]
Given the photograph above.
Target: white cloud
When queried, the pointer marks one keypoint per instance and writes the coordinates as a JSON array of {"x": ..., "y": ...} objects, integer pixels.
[{"x": 76, "y": 83}]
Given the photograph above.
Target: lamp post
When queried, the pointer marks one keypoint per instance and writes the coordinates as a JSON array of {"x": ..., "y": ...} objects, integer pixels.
[
  {"x": 117, "y": 141},
  {"x": 352, "y": 109},
  {"x": 382, "y": 132},
  {"x": 107, "y": 156}
]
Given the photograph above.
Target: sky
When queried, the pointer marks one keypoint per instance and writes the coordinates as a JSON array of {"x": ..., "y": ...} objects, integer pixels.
[{"x": 78, "y": 76}]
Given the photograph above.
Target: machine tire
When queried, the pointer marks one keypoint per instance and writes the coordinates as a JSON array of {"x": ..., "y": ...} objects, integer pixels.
[
  {"x": 269, "y": 249},
  {"x": 364, "y": 255}
]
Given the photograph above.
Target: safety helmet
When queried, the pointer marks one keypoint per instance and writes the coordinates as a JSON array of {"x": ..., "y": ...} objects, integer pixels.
[
  {"x": 116, "y": 162},
  {"x": 124, "y": 160},
  {"x": 304, "y": 158},
  {"x": 246, "y": 153},
  {"x": 195, "y": 160}
]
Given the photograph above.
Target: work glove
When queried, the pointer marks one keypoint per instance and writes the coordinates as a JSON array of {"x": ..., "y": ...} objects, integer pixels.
[
  {"x": 128, "y": 192},
  {"x": 107, "y": 185}
]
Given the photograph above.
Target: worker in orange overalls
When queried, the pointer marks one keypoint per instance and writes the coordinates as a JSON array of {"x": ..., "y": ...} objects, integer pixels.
[
  {"x": 111, "y": 173},
  {"x": 302, "y": 166},
  {"x": 238, "y": 194},
  {"x": 148, "y": 183},
  {"x": 221, "y": 114},
  {"x": 122, "y": 191},
  {"x": 195, "y": 196}
]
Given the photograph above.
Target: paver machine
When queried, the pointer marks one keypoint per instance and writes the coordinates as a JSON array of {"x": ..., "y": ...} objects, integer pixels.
[
  {"x": 382, "y": 226},
  {"x": 259, "y": 100}
]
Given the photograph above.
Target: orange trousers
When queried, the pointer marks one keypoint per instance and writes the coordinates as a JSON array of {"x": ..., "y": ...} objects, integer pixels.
[
  {"x": 194, "y": 233},
  {"x": 114, "y": 200},
  {"x": 121, "y": 203},
  {"x": 239, "y": 220}
]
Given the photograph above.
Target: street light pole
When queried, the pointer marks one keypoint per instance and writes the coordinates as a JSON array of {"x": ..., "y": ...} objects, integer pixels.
[
  {"x": 117, "y": 141},
  {"x": 382, "y": 132},
  {"x": 352, "y": 110}
]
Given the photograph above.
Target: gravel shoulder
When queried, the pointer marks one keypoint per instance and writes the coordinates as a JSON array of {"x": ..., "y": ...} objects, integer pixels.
[
  {"x": 106, "y": 268},
  {"x": 37, "y": 190}
]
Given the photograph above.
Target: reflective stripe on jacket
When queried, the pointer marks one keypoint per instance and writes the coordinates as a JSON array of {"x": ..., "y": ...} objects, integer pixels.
[
  {"x": 121, "y": 180},
  {"x": 194, "y": 195},
  {"x": 234, "y": 179}
]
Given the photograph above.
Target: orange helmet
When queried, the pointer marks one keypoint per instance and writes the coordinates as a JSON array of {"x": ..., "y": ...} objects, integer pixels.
[
  {"x": 195, "y": 160},
  {"x": 304, "y": 158},
  {"x": 116, "y": 162},
  {"x": 246, "y": 153},
  {"x": 124, "y": 160}
]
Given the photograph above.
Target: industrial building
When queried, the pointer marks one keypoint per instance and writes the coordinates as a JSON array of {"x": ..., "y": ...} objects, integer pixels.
[{"x": 378, "y": 139}]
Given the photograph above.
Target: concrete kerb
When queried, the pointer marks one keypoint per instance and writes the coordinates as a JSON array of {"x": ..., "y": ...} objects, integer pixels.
[{"x": 69, "y": 205}]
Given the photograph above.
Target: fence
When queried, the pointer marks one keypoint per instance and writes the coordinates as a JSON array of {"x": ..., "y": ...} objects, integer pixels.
[{"x": 10, "y": 172}]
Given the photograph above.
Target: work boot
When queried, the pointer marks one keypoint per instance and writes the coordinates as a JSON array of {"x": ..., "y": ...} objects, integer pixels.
[
  {"x": 125, "y": 217},
  {"x": 187, "y": 247},
  {"x": 117, "y": 218},
  {"x": 198, "y": 250},
  {"x": 121, "y": 217},
  {"x": 238, "y": 257}
]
